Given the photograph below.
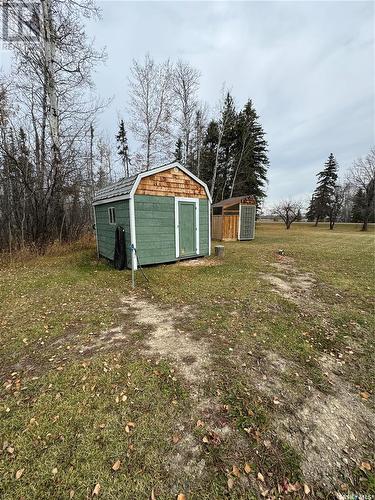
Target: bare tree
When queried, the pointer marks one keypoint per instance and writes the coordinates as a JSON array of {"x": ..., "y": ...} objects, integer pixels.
[
  {"x": 185, "y": 88},
  {"x": 288, "y": 211},
  {"x": 362, "y": 176},
  {"x": 42, "y": 142},
  {"x": 200, "y": 124},
  {"x": 150, "y": 106}
]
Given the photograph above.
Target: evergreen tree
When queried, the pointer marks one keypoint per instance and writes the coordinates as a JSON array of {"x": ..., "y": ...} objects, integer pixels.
[
  {"x": 122, "y": 147},
  {"x": 178, "y": 150},
  {"x": 208, "y": 154},
  {"x": 358, "y": 204},
  {"x": 360, "y": 208},
  {"x": 325, "y": 190},
  {"x": 227, "y": 150},
  {"x": 310, "y": 214},
  {"x": 299, "y": 216},
  {"x": 250, "y": 176}
]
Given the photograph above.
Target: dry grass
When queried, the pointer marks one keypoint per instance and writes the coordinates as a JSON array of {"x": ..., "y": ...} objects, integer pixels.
[{"x": 218, "y": 366}]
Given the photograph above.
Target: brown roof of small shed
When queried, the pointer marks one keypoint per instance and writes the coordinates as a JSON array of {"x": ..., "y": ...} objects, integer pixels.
[
  {"x": 125, "y": 187},
  {"x": 249, "y": 199}
]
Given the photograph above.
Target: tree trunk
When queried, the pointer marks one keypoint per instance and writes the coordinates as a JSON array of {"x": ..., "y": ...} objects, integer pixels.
[
  {"x": 365, "y": 224},
  {"x": 49, "y": 46},
  {"x": 237, "y": 168},
  {"x": 213, "y": 182},
  {"x": 148, "y": 153}
]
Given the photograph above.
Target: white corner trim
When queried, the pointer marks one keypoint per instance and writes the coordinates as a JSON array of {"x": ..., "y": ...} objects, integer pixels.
[
  {"x": 132, "y": 232},
  {"x": 176, "y": 223},
  {"x": 168, "y": 167},
  {"x": 239, "y": 224},
  {"x": 255, "y": 221},
  {"x": 209, "y": 227}
]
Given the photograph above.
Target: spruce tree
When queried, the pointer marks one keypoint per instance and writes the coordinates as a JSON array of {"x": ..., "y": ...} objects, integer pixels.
[
  {"x": 310, "y": 214},
  {"x": 178, "y": 150},
  {"x": 325, "y": 189},
  {"x": 208, "y": 153},
  {"x": 250, "y": 176},
  {"x": 358, "y": 205},
  {"x": 122, "y": 147},
  {"x": 227, "y": 150}
]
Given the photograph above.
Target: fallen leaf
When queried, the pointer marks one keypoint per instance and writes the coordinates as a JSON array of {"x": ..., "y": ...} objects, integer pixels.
[
  {"x": 176, "y": 438},
  {"x": 247, "y": 468},
  {"x": 205, "y": 439},
  {"x": 19, "y": 473},
  {"x": 129, "y": 426},
  {"x": 116, "y": 465},
  {"x": 294, "y": 487},
  {"x": 10, "y": 450},
  {"x": 96, "y": 490},
  {"x": 263, "y": 491},
  {"x": 364, "y": 395},
  {"x": 153, "y": 497},
  {"x": 200, "y": 423},
  {"x": 236, "y": 471},
  {"x": 267, "y": 443},
  {"x": 71, "y": 493},
  {"x": 365, "y": 465},
  {"x": 260, "y": 477},
  {"x": 306, "y": 489},
  {"x": 124, "y": 397},
  {"x": 54, "y": 470},
  {"x": 230, "y": 483},
  {"x": 181, "y": 496}
]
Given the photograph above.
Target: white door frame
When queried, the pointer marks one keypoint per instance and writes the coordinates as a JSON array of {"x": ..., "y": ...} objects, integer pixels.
[{"x": 177, "y": 225}]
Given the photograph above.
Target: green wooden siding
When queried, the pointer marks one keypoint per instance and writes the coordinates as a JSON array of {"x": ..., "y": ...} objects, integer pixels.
[
  {"x": 203, "y": 227},
  {"x": 154, "y": 228},
  {"x": 106, "y": 232}
]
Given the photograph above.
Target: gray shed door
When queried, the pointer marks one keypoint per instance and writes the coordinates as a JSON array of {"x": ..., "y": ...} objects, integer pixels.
[{"x": 247, "y": 222}]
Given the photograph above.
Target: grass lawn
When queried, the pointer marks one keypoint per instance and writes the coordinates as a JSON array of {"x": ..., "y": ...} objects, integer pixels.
[{"x": 242, "y": 378}]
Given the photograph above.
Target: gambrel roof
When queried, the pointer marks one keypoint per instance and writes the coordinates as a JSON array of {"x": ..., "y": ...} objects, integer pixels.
[{"x": 126, "y": 187}]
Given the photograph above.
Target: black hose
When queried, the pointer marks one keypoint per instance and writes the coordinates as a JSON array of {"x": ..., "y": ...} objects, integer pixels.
[{"x": 119, "y": 257}]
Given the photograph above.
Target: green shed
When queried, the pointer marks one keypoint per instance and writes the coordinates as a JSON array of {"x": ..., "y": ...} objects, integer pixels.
[{"x": 164, "y": 213}]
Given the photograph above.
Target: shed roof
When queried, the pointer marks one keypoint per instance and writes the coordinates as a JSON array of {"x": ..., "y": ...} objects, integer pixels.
[
  {"x": 250, "y": 199},
  {"x": 126, "y": 187},
  {"x": 119, "y": 188}
]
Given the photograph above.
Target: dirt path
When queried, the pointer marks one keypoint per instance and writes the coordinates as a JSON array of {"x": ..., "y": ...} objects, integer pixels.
[{"x": 332, "y": 432}]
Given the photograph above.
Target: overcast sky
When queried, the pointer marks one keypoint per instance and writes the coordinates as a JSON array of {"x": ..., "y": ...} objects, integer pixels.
[{"x": 307, "y": 66}]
